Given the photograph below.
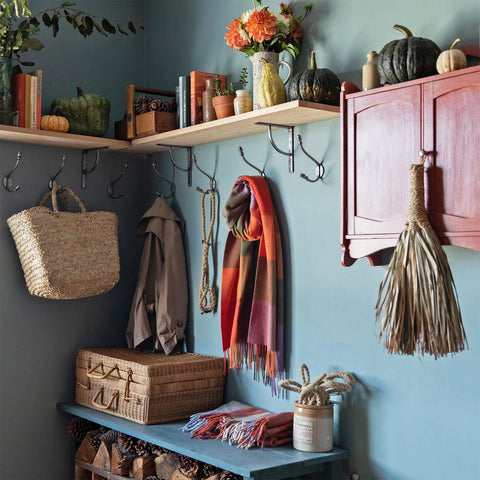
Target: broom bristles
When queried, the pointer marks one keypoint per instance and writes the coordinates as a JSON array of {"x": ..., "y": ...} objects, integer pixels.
[{"x": 417, "y": 301}]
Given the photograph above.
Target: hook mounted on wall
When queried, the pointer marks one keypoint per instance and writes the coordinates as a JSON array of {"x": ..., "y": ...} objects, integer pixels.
[
  {"x": 213, "y": 182},
  {"x": 189, "y": 159},
  {"x": 260, "y": 172},
  {"x": 7, "y": 179},
  {"x": 290, "y": 154},
  {"x": 173, "y": 188},
  {"x": 319, "y": 169},
  {"x": 111, "y": 186},
  {"x": 53, "y": 181},
  {"x": 85, "y": 170}
]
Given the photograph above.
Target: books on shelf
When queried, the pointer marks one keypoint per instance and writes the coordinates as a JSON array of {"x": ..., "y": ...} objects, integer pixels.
[
  {"x": 197, "y": 86},
  {"x": 27, "y": 99},
  {"x": 184, "y": 101}
]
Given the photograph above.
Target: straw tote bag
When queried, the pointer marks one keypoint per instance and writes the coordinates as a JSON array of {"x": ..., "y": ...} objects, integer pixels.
[{"x": 66, "y": 255}]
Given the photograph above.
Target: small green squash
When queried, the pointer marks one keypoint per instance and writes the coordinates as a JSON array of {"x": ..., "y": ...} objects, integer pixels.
[
  {"x": 87, "y": 113},
  {"x": 407, "y": 59},
  {"x": 318, "y": 85}
]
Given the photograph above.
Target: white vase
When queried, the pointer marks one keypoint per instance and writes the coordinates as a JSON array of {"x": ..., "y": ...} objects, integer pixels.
[
  {"x": 243, "y": 102},
  {"x": 257, "y": 60}
]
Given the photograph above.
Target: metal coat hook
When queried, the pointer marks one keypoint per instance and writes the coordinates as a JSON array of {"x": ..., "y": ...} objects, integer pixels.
[
  {"x": 173, "y": 188},
  {"x": 260, "y": 172},
  {"x": 111, "y": 186},
  {"x": 213, "y": 182},
  {"x": 53, "y": 181},
  {"x": 7, "y": 179},
  {"x": 319, "y": 169},
  {"x": 85, "y": 170},
  {"x": 189, "y": 160},
  {"x": 290, "y": 154}
]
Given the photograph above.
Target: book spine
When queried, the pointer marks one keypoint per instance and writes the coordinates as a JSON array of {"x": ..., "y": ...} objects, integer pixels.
[
  {"x": 33, "y": 102},
  {"x": 19, "y": 98},
  {"x": 186, "y": 103},
  {"x": 28, "y": 118},
  {"x": 39, "y": 75},
  {"x": 194, "y": 98},
  {"x": 181, "y": 88}
]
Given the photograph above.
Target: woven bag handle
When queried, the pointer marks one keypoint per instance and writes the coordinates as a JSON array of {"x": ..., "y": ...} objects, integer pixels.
[
  {"x": 65, "y": 198},
  {"x": 53, "y": 194},
  {"x": 114, "y": 396}
]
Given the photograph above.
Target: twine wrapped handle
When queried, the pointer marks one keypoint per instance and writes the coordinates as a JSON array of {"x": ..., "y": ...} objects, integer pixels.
[
  {"x": 319, "y": 391},
  {"x": 62, "y": 190}
]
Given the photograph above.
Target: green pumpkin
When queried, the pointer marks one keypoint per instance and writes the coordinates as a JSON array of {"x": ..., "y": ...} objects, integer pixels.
[
  {"x": 318, "y": 85},
  {"x": 407, "y": 59},
  {"x": 87, "y": 114}
]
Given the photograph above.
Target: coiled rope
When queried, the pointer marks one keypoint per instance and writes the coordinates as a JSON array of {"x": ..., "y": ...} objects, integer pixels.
[
  {"x": 321, "y": 389},
  {"x": 205, "y": 288}
]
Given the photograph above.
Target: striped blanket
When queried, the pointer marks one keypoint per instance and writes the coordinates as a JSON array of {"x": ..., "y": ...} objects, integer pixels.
[
  {"x": 252, "y": 283},
  {"x": 242, "y": 425}
]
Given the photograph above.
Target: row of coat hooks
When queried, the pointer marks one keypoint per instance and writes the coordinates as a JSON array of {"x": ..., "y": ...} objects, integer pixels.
[
  {"x": 8, "y": 182},
  {"x": 191, "y": 160}
]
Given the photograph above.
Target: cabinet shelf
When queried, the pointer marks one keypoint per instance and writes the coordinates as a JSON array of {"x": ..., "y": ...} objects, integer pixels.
[
  {"x": 291, "y": 113},
  {"x": 270, "y": 463}
]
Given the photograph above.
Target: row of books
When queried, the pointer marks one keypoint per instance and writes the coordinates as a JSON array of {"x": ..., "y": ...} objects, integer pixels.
[
  {"x": 27, "y": 99},
  {"x": 189, "y": 102}
]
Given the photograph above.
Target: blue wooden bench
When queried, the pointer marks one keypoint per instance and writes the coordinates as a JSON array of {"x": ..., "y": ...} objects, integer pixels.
[{"x": 267, "y": 464}]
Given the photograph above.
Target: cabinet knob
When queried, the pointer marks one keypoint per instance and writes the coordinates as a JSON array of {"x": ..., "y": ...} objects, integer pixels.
[{"x": 424, "y": 155}]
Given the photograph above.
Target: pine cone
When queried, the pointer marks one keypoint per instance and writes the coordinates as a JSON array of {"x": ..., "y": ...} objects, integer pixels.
[
  {"x": 95, "y": 440},
  {"x": 109, "y": 437},
  {"x": 160, "y": 105},
  {"x": 206, "y": 470},
  {"x": 226, "y": 475},
  {"x": 79, "y": 427},
  {"x": 141, "y": 104},
  {"x": 143, "y": 448},
  {"x": 157, "y": 450},
  {"x": 189, "y": 467},
  {"x": 126, "y": 444}
]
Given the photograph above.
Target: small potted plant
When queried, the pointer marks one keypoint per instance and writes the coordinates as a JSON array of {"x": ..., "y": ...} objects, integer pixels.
[
  {"x": 223, "y": 99},
  {"x": 243, "y": 102}
]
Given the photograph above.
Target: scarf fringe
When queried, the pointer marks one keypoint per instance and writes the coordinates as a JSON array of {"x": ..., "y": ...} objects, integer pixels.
[{"x": 264, "y": 364}]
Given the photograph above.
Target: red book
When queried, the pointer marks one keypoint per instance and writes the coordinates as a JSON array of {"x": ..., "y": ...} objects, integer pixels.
[
  {"x": 19, "y": 97},
  {"x": 197, "y": 86},
  {"x": 38, "y": 74}
]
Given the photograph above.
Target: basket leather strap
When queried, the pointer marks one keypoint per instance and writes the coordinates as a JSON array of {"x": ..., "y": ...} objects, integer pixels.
[
  {"x": 90, "y": 371},
  {"x": 127, "y": 387}
]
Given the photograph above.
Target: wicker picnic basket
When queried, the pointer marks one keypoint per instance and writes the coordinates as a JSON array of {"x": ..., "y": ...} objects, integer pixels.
[
  {"x": 66, "y": 255},
  {"x": 148, "y": 387}
]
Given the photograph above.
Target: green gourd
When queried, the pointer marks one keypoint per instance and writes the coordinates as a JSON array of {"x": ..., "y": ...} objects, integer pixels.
[
  {"x": 87, "y": 114},
  {"x": 318, "y": 85},
  {"x": 407, "y": 59},
  {"x": 271, "y": 90}
]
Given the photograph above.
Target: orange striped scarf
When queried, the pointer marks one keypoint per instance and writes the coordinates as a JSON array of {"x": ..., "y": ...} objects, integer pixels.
[{"x": 252, "y": 282}]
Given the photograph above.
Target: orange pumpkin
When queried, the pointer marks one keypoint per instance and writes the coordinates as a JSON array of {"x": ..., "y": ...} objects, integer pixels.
[{"x": 55, "y": 123}]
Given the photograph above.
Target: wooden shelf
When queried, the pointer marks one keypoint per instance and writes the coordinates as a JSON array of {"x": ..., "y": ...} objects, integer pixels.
[
  {"x": 292, "y": 113},
  {"x": 267, "y": 464},
  {"x": 57, "y": 139}
]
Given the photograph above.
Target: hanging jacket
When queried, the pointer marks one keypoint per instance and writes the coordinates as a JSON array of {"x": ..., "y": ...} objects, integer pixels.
[{"x": 159, "y": 310}]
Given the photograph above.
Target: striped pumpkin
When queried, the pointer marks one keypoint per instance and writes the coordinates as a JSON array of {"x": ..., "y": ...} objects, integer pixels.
[{"x": 55, "y": 123}]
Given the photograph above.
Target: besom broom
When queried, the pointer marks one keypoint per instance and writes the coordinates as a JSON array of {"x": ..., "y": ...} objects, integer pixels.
[{"x": 417, "y": 300}]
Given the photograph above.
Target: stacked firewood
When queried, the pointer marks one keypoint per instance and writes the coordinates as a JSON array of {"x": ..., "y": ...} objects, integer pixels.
[{"x": 114, "y": 452}]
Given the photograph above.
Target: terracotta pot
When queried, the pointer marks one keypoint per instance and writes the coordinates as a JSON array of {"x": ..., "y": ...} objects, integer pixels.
[{"x": 223, "y": 105}]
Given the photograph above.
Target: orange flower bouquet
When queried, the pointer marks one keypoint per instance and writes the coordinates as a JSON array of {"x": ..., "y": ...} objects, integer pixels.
[{"x": 260, "y": 30}]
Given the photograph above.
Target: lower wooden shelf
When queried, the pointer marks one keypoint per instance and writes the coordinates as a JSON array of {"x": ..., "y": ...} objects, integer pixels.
[{"x": 267, "y": 464}]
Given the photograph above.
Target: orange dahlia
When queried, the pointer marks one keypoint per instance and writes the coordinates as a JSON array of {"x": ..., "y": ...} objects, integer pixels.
[
  {"x": 236, "y": 36},
  {"x": 286, "y": 10},
  {"x": 296, "y": 32},
  {"x": 261, "y": 25}
]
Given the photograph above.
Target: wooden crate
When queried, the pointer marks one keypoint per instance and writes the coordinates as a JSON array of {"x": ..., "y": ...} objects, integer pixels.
[{"x": 145, "y": 124}]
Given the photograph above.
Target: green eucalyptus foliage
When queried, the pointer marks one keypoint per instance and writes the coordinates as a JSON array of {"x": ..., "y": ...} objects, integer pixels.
[
  {"x": 18, "y": 27},
  {"x": 87, "y": 113}
]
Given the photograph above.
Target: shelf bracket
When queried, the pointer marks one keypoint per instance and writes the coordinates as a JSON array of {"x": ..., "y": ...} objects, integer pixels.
[
  {"x": 189, "y": 159},
  {"x": 85, "y": 170},
  {"x": 290, "y": 154}
]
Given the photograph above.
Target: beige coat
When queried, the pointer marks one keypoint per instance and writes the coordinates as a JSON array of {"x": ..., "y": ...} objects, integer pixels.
[{"x": 159, "y": 310}]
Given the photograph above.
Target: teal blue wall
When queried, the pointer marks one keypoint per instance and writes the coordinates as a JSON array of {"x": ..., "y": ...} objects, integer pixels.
[{"x": 407, "y": 418}]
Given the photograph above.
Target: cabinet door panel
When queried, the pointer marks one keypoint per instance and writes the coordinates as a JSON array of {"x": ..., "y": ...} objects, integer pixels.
[
  {"x": 385, "y": 142},
  {"x": 452, "y": 131}
]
